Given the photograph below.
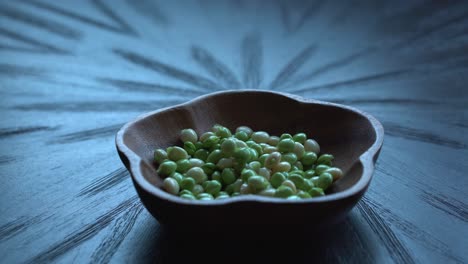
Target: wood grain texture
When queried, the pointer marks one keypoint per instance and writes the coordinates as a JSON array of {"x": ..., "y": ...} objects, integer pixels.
[{"x": 73, "y": 72}]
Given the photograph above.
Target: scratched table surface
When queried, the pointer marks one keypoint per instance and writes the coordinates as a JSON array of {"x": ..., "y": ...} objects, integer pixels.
[{"x": 73, "y": 72}]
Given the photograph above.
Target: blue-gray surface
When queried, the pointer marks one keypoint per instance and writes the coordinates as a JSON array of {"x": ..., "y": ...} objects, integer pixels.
[{"x": 72, "y": 72}]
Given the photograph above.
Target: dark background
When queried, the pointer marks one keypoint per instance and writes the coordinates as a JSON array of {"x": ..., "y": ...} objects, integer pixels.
[{"x": 73, "y": 72}]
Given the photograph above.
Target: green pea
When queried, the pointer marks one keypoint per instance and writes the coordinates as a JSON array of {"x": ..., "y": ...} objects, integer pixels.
[
  {"x": 201, "y": 154},
  {"x": 197, "y": 174},
  {"x": 160, "y": 155},
  {"x": 272, "y": 160},
  {"x": 299, "y": 150},
  {"x": 286, "y": 145},
  {"x": 300, "y": 137},
  {"x": 314, "y": 180},
  {"x": 312, "y": 146},
  {"x": 235, "y": 194},
  {"x": 225, "y": 163},
  {"x": 215, "y": 147},
  {"x": 277, "y": 178},
  {"x": 206, "y": 135},
  {"x": 325, "y": 159},
  {"x": 187, "y": 183},
  {"x": 309, "y": 158},
  {"x": 303, "y": 194},
  {"x": 183, "y": 165},
  {"x": 222, "y": 193},
  {"x": 262, "y": 159},
  {"x": 176, "y": 153},
  {"x": 297, "y": 171},
  {"x": 205, "y": 196},
  {"x": 242, "y": 155},
  {"x": 320, "y": 169},
  {"x": 269, "y": 192},
  {"x": 177, "y": 176},
  {"x": 228, "y": 147},
  {"x": 196, "y": 163},
  {"x": 246, "y": 174},
  {"x": 216, "y": 176},
  {"x": 293, "y": 197},
  {"x": 283, "y": 192},
  {"x": 314, "y": 192},
  {"x": 234, "y": 187},
  {"x": 325, "y": 180},
  {"x": 190, "y": 148},
  {"x": 241, "y": 135},
  {"x": 197, "y": 189},
  {"x": 298, "y": 181},
  {"x": 245, "y": 129},
  {"x": 253, "y": 154},
  {"x": 188, "y": 135},
  {"x": 185, "y": 192},
  {"x": 255, "y": 165},
  {"x": 260, "y": 137},
  {"x": 219, "y": 197},
  {"x": 214, "y": 156},
  {"x": 211, "y": 141},
  {"x": 273, "y": 141},
  {"x": 285, "y": 136},
  {"x": 257, "y": 183},
  {"x": 289, "y": 157},
  {"x": 167, "y": 168},
  {"x": 208, "y": 168},
  {"x": 198, "y": 145},
  {"x": 213, "y": 187},
  {"x": 223, "y": 132},
  {"x": 171, "y": 186},
  {"x": 228, "y": 176},
  {"x": 188, "y": 197},
  {"x": 256, "y": 147},
  {"x": 309, "y": 174},
  {"x": 335, "y": 172}
]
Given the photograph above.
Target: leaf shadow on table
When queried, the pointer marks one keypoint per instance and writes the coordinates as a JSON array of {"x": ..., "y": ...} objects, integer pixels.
[{"x": 342, "y": 243}]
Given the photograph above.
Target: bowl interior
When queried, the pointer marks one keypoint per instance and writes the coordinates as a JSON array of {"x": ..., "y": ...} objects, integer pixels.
[{"x": 339, "y": 131}]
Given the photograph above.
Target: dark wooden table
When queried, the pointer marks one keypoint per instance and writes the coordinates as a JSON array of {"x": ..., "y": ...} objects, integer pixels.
[{"x": 73, "y": 72}]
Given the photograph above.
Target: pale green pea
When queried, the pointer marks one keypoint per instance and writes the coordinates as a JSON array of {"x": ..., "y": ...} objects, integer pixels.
[
  {"x": 272, "y": 160},
  {"x": 260, "y": 137},
  {"x": 242, "y": 155},
  {"x": 273, "y": 140},
  {"x": 312, "y": 146},
  {"x": 298, "y": 181},
  {"x": 197, "y": 189},
  {"x": 201, "y": 154},
  {"x": 264, "y": 172},
  {"x": 197, "y": 174},
  {"x": 187, "y": 183},
  {"x": 303, "y": 194},
  {"x": 309, "y": 158},
  {"x": 319, "y": 169},
  {"x": 255, "y": 165},
  {"x": 188, "y": 135},
  {"x": 225, "y": 163},
  {"x": 219, "y": 197},
  {"x": 277, "y": 179},
  {"x": 216, "y": 176},
  {"x": 286, "y": 145},
  {"x": 235, "y": 194},
  {"x": 190, "y": 148},
  {"x": 228, "y": 176},
  {"x": 160, "y": 155},
  {"x": 246, "y": 174},
  {"x": 285, "y": 136},
  {"x": 245, "y": 189},
  {"x": 213, "y": 187},
  {"x": 214, "y": 156},
  {"x": 270, "y": 149},
  {"x": 325, "y": 159},
  {"x": 325, "y": 180},
  {"x": 177, "y": 176},
  {"x": 240, "y": 144},
  {"x": 241, "y": 135},
  {"x": 222, "y": 193},
  {"x": 245, "y": 129},
  {"x": 206, "y": 135},
  {"x": 210, "y": 142},
  {"x": 205, "y": 196},
  {"x": 269, "y": 192},
  {"x": 309, "y": 174},
  {"x": 316, "y": 191},
  {"x": 290, "y": 184},
  {"x": 196, "y": 163},
  {"x": 289, "y": 157},
  {"x": 208, "y": 168},
  {"x": 298, "y": 150},
  {"x": 176, "y": 153},
  {"x": 257, "y": 183},
  {"x": 293, "y": 197},
  {"x": 262, "y": 159},
  {"x": 185, "y": 192},
  {"x": 167, "y": 168},
  {"x": 188, "y": 197},
  {"x": 282, "y": 167},
  {"x": 300, "y": 137},
  {"x": 223, "y": 132},
  {"x": 228, "y": 147},
  {"x": 171, "y": 186},
  {"x": 284, "y": 191},
  {"x": 337, "y": 173},
  {"x": 183, "y": 165}
]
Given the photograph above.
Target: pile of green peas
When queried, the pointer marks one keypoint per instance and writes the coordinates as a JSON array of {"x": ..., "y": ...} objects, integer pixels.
[{"x": 219, "y": 165}]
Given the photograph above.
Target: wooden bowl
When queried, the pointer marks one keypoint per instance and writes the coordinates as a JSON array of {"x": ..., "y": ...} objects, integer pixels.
[{"x": 352, "y": 136}]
